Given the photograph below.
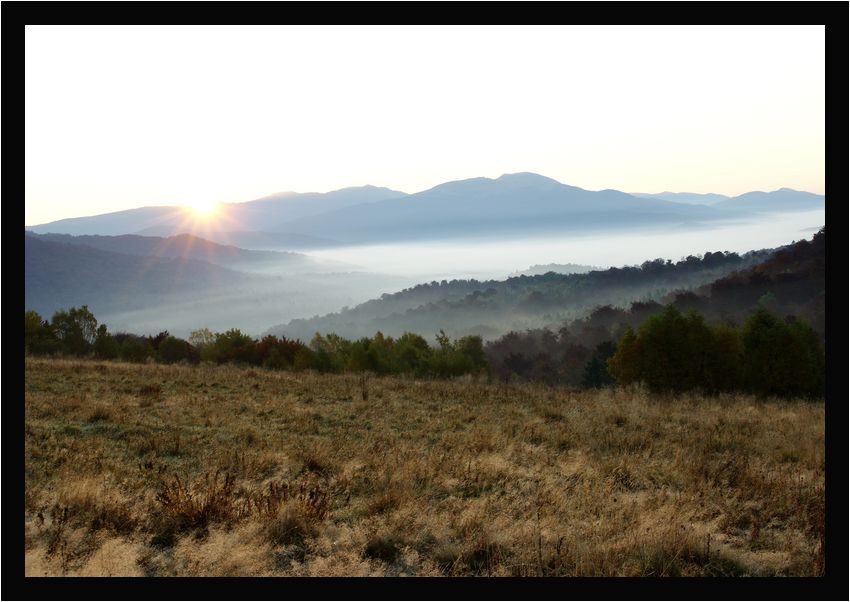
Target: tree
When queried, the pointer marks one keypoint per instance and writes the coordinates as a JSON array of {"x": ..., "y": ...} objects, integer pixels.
[
  {"x": 782, "y": 358},
  {"x": 135, "y": 349},
  {"x": 471, "y": 348},
  {"x": 596, "y": 373},
  {"x": 76, "y": 329},
  {"x": 105, "y": 345},
  {"x": 725, "y": 359},
  {"x": 624, "y": 365},
  {"x": 234, "y": 346},
  {"x": 173, "y": 349},
  {"x": 304, "y": 359},
  {"x": 39, "y": 338},
  {"x": 412, "y": 353}
]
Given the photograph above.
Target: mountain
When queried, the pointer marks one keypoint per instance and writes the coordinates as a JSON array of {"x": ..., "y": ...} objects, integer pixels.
[
  {"x": 691, "y": 198},
  {"x": 513, "y": 204},
  {"x": 187, "y": 246},
  {"x": 491, "y": 308},
  {"x": 269, "y": 214},
  {"x": 784, "y": 199}
]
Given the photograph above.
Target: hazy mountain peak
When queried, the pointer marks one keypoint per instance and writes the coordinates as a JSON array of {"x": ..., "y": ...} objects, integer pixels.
[{"x": 527, "y": 178}]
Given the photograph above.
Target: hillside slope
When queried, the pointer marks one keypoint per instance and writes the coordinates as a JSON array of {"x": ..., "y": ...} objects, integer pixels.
[{"x": 493, "y": 307}]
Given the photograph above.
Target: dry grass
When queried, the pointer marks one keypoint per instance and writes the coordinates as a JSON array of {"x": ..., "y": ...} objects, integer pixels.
[{"x": 176, "y": 470}]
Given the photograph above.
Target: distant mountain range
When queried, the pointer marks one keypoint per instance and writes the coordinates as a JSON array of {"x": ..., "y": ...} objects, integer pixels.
[
  {"x": 784, "y": 199},
  {"x": 511, "y": 205}
]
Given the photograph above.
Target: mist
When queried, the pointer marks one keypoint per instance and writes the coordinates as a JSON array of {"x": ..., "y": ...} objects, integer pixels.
[
  {"x": 497, "y": 259},
  {"x": 263, "y": 293}
]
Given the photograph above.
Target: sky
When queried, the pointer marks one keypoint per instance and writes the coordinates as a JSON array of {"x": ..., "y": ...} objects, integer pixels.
[{"x": 125, "y": 116}]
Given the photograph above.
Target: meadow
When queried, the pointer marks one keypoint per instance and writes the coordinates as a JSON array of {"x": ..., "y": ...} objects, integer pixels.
[{"x": 162, "y": 470}]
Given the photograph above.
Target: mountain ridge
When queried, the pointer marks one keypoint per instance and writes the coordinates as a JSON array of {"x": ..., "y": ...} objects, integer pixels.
[{"x": 513, "y": 202}]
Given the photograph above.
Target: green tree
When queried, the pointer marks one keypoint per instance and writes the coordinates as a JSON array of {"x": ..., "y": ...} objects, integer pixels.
[
  {"x": 782, "y": 358},
  {"x": 172, "y": 350},
  {"x": 135, "y": 349},
  {"x": 105, "y": 345},
  {"x": 39, "y": 338},
  {"x": 231, "y": 346},
  {"x": 412, "y": 353},
  {"x": 76, "y": 329},
  {"x": 725, "y": 359},
  {"x": 596, "y": 373}
]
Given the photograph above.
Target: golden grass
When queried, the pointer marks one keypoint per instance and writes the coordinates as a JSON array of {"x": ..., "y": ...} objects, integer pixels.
[{"x": 179, "y": 470}]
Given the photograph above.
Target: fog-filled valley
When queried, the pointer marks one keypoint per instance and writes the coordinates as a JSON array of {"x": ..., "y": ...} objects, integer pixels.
[{"x": 146, "y": 271}]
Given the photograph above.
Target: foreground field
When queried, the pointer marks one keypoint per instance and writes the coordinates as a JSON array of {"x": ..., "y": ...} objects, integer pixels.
[{"x": 177, "y": 470}]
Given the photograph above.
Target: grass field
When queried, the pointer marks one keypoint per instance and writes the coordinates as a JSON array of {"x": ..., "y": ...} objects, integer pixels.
[{"x": 179, "y": 470}]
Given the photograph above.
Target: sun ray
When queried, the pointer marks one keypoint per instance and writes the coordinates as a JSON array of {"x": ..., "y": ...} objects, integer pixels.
[{"x": 203, "y": 208}]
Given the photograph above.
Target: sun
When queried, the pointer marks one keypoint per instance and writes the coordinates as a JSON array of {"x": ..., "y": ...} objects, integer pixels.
[{"x": 203, "y": 208}]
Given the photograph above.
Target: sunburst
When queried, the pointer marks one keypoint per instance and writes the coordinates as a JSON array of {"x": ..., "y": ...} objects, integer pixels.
[{"x": 202, "y": 208}]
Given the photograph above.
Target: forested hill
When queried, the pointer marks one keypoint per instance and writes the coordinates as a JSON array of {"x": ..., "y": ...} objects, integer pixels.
[
  {"x": 60, "y": 275},
  {"x": 789, "y": 282},
  {"x": 492, "y": 307},
  {"x": 186, "y": 246}
]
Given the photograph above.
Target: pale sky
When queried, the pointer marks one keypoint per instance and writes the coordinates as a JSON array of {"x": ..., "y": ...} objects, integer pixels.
[{"x": 125, "y": 116}]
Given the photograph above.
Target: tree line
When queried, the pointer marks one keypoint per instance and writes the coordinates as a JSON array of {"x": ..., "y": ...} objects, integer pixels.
[
  {"x": 669, "y": 351},
  {"x": 675, "y": 352},
  {"x": 75, "y": 332}
]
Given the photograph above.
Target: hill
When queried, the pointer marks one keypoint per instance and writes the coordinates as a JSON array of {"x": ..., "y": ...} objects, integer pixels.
[
  {"x": 187, "y": 246},
  {"x": 491, "y": 308},
  {"x": 789, "y": 281},
  {"x": 147, "y": 294},
  {"x": 60, "y": 274},
  {"x": 270, "y": 213},
  {"x": 782, "y": 200},
  {"x": 558, "y": 268}
]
